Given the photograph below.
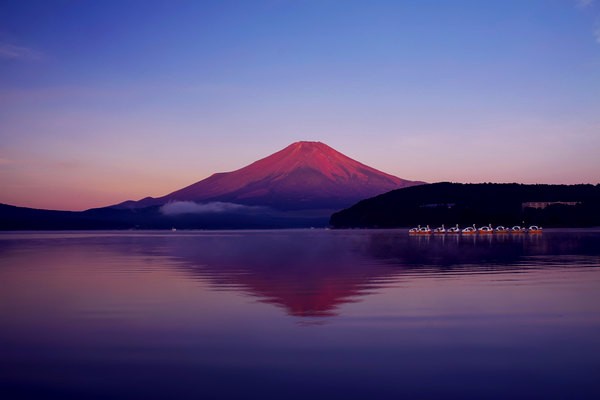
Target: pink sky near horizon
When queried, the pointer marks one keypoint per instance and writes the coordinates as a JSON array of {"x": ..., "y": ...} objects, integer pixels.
[{"x": 79, "y": 184}]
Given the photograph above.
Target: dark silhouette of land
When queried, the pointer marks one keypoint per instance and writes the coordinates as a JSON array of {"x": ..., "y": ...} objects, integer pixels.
[
  {"x": 481, "y": 204},
  {"x": 433, "y": 204},
  {"x": 21, "y": 218}
]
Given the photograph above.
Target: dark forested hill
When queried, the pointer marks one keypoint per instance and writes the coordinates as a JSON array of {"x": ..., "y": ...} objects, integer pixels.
[{"x": 481, "y": 204}]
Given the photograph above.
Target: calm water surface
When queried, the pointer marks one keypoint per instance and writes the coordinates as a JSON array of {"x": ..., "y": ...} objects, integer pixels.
[{"x": 299, "y": 314}]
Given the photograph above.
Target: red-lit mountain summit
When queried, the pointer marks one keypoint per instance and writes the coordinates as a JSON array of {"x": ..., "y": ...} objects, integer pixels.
[{"x": 302, "y": 176}]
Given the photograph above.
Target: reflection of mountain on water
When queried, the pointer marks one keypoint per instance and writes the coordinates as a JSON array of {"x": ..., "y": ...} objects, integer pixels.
[
  {"x": 306, "y": 273},
  {"x": 312, "y": 273}
]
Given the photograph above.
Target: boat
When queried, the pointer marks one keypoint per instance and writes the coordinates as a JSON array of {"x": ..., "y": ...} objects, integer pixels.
[
  {"x": 454, "y": 229},
  {"x": 517, "y": 229},
  {"x": 486, "y": 230},
  {"x": 424, "y": 230},
  {"x": 470, "y": 230},
  {"x": 420, "y": 230},
  {"x": 501, "y": 230},
  {"x": 439, "y": 230},
  {"x": 414, "y": 231}
]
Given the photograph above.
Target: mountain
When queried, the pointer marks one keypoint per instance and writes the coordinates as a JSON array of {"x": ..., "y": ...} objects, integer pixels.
[
  {"x": 302, "y": 176},
  {"x": 481, "y": 204},
  {"x": 299, "y": 186}
]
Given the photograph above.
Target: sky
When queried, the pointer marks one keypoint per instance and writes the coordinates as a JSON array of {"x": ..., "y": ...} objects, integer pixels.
[{"x": 105, "y": 101}]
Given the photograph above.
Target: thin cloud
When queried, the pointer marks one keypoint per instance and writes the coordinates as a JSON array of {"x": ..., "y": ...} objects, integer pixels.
[
  {"x": 5, "y": 161},
  {"x": 190, "y": 207},
  {"x": 67, "y": 164},
  {"x": 12, "y": 52},
  {"x": 590, "y": 5}
]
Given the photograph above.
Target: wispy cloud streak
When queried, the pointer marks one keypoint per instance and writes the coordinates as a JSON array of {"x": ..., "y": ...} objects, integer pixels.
[
  {"x": 190, "y": 207},
  {"x": 12, "y": 52},
  {"x": 590, "y": 5}
]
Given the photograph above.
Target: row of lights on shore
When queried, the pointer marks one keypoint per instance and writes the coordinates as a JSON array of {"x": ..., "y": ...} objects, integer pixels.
[{"x": 473, "y": 230}]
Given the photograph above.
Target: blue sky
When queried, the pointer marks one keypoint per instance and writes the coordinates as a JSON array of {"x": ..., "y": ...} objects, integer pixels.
[{"x": 103, "y": 101}]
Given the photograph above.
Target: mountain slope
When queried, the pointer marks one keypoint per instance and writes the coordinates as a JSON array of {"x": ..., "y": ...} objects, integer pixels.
[{"x": 304, "y": 175}]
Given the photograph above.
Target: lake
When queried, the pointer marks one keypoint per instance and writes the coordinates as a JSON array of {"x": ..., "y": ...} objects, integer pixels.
[{"x": 349, "y": 314}]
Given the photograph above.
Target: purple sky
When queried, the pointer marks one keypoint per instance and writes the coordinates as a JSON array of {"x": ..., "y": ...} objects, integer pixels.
[{"x": 106, "y": 101}]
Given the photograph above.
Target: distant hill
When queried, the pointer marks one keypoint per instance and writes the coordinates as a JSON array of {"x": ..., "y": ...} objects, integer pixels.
[
  {"x": 16, "y": 218},
  {"x": 22, "y": 218},
  {"x": 481, "y": 204},
  {"x": 299, "y": 186},
  {"x": 304, "y": 175}
]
